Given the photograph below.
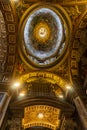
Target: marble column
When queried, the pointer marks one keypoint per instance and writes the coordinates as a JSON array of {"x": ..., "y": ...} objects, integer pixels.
[{"x": 82, "y": 112}]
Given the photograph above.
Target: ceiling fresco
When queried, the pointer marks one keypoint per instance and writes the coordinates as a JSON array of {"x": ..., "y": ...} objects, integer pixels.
[{"x": 45, "y": 35}]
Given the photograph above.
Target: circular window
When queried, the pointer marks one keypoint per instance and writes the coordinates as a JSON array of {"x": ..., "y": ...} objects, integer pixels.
[{"x": 43, "y": 36}]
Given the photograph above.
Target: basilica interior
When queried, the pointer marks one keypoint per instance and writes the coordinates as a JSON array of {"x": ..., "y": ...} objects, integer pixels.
[{"x": 43, "y": 65}]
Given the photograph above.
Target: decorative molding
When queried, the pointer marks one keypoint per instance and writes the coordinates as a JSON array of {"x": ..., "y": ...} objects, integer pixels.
[
  {"x": 12, "y": 39},
  {"x": 11, "y": 28},
  {"x": 74, "y": 2},
  {"x": 62, "y": 2},
  {"x": 6, "y": 7},
  {"x": 9, "y": 17}
]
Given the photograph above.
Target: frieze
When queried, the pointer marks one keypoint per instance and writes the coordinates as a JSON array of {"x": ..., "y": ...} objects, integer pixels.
[
  {"x": 50, "y": 116},
  {"x": 53, "y": 78}
]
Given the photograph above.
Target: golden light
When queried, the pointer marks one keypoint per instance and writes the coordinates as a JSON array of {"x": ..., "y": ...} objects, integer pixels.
[
  {"x": 22, "y": 94},
  {"x": 69, "y": 87},
  {"x": 15, "y": 0},
  {"x": 61, "y": 96},
  {"x": 17, "y": 84},
  {"x": 40, "y": 115}
]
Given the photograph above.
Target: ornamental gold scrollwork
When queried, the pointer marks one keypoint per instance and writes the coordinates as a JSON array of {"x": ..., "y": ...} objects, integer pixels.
[
  {"x": 50, "y": 116},
  {"x": 73, "y": 12},
  {"x": 53, "y": 78}
]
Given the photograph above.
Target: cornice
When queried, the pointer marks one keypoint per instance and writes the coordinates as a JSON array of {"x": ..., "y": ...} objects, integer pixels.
[{"x": 82, "y": 2}]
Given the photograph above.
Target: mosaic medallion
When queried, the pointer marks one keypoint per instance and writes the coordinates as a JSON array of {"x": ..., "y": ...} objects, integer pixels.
[
  {"x": 44, "y": 36},
  {"x": 42, "y": 32}
]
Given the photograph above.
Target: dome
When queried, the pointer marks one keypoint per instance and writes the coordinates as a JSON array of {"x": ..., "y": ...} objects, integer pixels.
[{"x": 45, "y": 36}]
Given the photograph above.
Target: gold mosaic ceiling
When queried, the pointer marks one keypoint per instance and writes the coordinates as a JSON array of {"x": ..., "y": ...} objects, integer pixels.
[{"x": 67, "y": 69}]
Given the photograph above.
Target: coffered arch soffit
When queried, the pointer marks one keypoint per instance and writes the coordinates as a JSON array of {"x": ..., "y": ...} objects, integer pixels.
[{"x": 10, "y": 25}]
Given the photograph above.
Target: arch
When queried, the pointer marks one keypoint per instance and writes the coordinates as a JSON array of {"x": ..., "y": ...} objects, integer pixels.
[{"x": 53, "y": 78}]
